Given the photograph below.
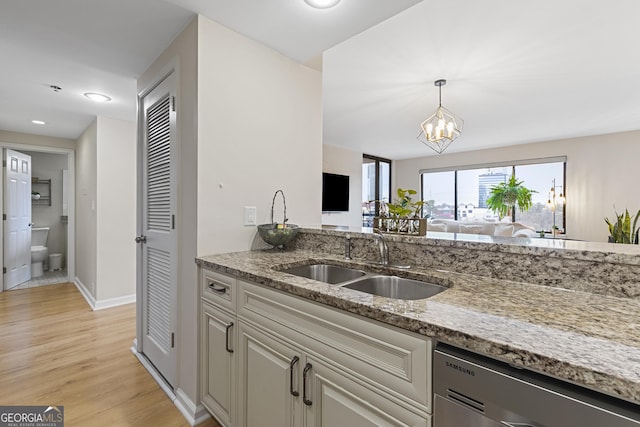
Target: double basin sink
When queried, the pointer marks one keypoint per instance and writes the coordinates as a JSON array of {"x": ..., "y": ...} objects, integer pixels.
[{"x": 372, "y": 283}]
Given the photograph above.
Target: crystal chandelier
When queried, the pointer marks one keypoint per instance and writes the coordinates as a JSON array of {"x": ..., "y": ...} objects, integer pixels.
[{"x": 440, "y": 129}]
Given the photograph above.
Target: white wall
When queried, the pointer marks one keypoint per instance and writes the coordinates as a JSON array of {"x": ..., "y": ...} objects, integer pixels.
[
  {"x": 115, "y": 208},
  {"x": 86, "y": 224},
  {"x": 50, "y": 166},
  {"x": 602, "y": 171},
  {"x": 105, "y": 209},
  {"x": 344, "y": 162},
  {"x": 259, "y": 130}
]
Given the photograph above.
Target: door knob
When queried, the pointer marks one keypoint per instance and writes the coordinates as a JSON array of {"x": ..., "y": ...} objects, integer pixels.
[{"x": 141, "y": 239}]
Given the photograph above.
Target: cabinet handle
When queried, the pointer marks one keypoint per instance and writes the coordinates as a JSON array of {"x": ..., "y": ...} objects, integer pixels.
[
  {"x": 306, "y": 401},
  {"x": 220, "y": 290},
  {"x": 291, "y": 365},
  {"x": 229, "y": 326}
]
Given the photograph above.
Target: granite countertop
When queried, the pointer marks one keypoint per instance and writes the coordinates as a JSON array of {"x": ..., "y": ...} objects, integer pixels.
[
  {"x": 550, "y": 247},
  {"x": 587, "y": 339}
]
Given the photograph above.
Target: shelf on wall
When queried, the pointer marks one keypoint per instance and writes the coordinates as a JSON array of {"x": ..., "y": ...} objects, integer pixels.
[{"x": 43, "y": 187}]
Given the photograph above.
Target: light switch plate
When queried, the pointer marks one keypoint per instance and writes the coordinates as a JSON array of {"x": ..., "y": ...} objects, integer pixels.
[{"x": 250, "y": 214}]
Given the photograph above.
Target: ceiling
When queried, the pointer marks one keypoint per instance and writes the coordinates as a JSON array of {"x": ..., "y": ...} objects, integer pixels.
[
  {"x": 517, "y": 72},
  {"x": 104, "y": 46}
]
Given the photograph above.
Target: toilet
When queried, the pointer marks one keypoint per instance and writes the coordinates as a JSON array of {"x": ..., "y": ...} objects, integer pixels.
[{"x": 39, "y": 250}]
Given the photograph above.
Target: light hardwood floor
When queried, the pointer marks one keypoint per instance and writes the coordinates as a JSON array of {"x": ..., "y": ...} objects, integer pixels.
[{"x": 54, "y": 350}]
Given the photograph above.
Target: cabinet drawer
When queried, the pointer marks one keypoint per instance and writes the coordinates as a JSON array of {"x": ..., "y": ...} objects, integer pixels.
[
  {"x": 388, "y": 358},
  {"x": 219, "y": 289}
]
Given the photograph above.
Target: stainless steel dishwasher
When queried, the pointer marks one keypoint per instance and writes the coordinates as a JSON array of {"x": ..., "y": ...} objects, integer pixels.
[{"x": 476, "y": 391}]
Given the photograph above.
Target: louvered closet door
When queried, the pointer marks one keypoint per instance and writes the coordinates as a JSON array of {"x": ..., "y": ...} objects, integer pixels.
[{"x": 159, "y": 252}]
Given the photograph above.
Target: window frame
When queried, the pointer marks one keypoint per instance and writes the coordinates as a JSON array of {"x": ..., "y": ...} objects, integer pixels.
[{"x": 377, "y": 160}]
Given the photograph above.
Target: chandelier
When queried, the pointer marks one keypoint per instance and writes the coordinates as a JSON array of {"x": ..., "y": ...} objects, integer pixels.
[{"x": 440, "y": 129}]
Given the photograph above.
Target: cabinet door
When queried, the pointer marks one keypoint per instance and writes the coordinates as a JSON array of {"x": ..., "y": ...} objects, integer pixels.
[
  {"x": 270, "y": 378},
  {"x": 218, "y": 363},
  {"x": 333, "y": 399}
]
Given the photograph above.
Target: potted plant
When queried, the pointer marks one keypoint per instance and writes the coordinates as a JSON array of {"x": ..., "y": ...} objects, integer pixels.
[
  {"x": 622, "y": 231},
  {"x": 403, "y": 215},
  {"x": 506, "y": 195}
]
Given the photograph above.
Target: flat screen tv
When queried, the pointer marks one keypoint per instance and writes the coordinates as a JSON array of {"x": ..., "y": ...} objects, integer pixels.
[{"x": 335, "y": 193}]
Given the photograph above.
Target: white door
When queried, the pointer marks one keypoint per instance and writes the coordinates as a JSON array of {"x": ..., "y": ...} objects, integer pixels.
[
  {"x": 158, "y": 269},
  {"x": 17, "y": 223}
]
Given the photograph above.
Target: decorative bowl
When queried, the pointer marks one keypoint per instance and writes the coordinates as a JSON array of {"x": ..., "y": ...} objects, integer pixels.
[{"x": 275, "y": 236}]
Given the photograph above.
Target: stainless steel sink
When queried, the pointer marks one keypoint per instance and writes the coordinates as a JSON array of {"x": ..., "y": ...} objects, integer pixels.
[
  {"x": 395, "y": 287},
  {"x": 327, "y": 273}
]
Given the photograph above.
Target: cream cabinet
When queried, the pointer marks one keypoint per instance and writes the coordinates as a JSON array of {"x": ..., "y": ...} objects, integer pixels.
[
  {"x": 269, "y": 389},
  {"x": 327, "y": 367},
  {"x": 218, "y": 354},
  {"x": 270, "y": 359},
  {"x": 333, "y": 399}
]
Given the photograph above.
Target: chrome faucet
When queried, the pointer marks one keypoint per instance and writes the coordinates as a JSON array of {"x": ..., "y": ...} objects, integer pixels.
[{"x": 382, "y": 246}]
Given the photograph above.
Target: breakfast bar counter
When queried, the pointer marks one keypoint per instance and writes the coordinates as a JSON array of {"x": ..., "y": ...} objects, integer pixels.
[{"x": 588, "y": 339}]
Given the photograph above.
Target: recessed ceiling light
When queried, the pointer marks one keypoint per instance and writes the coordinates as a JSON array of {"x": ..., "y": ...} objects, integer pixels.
[
  {"x": 98, "y": 97},
  {"x": 38, "y": 122},
  {"x": 322, "y": 4}
]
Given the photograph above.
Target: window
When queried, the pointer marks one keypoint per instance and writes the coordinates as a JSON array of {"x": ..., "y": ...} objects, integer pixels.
[
  {"x": 544, "y": 213},
  {"x": 474, "y": 187},
  {"x": 376, "y": 186},
  {"x": 462, "y": 193},
  {"x": 438, "y": 189}
]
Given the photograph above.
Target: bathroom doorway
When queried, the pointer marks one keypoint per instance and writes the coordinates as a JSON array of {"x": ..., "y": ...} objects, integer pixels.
[{"x": 52, "y": 217}]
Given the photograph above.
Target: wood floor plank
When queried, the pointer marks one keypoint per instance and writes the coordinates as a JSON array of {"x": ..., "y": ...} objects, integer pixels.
[{"x": 54, "y": 350}]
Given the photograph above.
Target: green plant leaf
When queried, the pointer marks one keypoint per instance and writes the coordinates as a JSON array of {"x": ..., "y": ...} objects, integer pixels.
[
  {"x": 404, "y": 206},
  {"x": 506, "y": 195}
]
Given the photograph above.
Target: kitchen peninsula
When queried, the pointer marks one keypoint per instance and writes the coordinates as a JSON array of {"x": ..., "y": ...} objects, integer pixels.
[{"x": 565, "y": 309}]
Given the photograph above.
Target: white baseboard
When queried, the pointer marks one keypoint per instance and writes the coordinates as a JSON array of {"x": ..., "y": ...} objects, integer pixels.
[
  {"x": 192, "y": 413},
  {"x": 202, "y": 415},
  {"x": 114, "y": 302},
  {"x": 84, "y": 292},
  {"x": 156, "y": 376},
  {"x": 105, "y": 303}
]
